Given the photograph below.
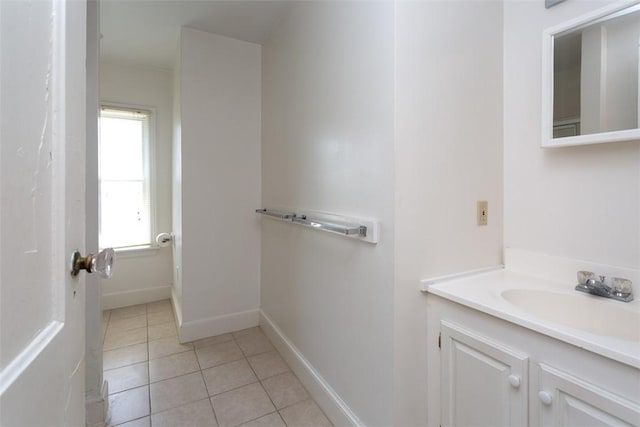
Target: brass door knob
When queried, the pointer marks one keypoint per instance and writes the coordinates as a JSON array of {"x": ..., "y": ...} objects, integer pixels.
[{"x": 102, "y": 263}]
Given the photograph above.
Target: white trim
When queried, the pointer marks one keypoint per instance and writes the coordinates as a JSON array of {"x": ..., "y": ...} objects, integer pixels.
[
  {"x": 425, "y": 283},
  {"x": 22, "y": 361},
  {"x": 97, "y": 409},
  {"x": 149, "y": 162},
  {"x": 136, "y": 251},
  {"x": 547, "y": 84},
  {"x": 211, "y": 326},
  {"x": 177, "y": 308},
  {"x": 325, "y": 396},
  {"x": 137, "y": 296}
]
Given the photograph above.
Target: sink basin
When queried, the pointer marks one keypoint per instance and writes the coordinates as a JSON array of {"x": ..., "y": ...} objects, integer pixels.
[{"x": 580, "y": 311}]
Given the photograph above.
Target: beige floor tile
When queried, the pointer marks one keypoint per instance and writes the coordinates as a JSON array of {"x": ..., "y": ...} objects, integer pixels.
[
  {"x": 205, "y": 342},
  {"x": 177, "y": 391},
  {"x": 177, "y": 395},
  {"x": 140, "y": 422},
  {"x": 129, "y": 405},
  {"x": 218, "y": 354},
  {"x": 285, "y": 390},
  {"x": 160, "y": 317},
  {"x": 162, "y": 305},
  {"x": 305, "y": 413},
  {"x": 196, "y": 414},
  {"x": 127, "y": 323},
  {"x": 229, "y": 376},
  {"x": 241, "y": 405},
  {"x": 271, "y": 420},
  {"x": 125, "y": 356},
  {"x": 127, "y": 377},
  {"x": 131, "y": 311},
  {"x": 162, "y": 330},
  {"x": 166, "y": 346},
  {"x": 268, "y": 364},
  {"x": 246, "y": 332},
  {"x": 173, "y": 366},
  {"x": 118, "y": 338},
  {"x": 254, "y": 344}
]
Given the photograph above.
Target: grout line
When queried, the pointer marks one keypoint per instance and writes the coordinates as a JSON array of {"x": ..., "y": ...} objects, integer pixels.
[
  {"x": 149, "y": 367},
  {"x": 135, "y": 419},
  {"x": 234, "y": 389},
  {"x": 215, "y": 343},
  {"x": 215, "y": 417},
  {"x": 257, "y": 418},
  {"x": 262, "y": 385}
]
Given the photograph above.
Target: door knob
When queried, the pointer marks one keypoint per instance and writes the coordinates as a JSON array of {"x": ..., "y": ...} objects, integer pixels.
[
  {"x": 545, "y": 397},
  {"x": 514, "y": 380},
  {"x": 102, "y": 263}
]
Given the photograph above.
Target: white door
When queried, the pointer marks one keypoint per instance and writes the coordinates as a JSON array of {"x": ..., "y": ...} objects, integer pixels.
[{"x": 42, "y": 158}]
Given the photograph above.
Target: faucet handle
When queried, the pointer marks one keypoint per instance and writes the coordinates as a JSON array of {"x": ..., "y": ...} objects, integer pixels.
[
  {"x": 621, "y": 287},
  {"x": 583, "y": 276}
]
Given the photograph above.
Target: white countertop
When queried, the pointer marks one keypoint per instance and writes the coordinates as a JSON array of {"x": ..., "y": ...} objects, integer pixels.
[{"x": 483, "y": 291}]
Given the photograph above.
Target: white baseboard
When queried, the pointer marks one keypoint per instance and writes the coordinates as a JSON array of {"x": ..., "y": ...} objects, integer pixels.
[
  {"x": 325, "y": 396},
  {"x": 177, "y": 306},
  {"x": 97, "y": 408},
  {"x": 194, "y": 330},
  {"x": 136, "y": 296}
]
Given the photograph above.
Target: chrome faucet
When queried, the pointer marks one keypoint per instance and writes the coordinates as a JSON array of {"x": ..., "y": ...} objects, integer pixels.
[{"x": 616, "y": 288}]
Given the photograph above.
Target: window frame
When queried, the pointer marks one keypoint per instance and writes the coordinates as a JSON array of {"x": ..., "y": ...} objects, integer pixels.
[{"x": 150, "y": 176}]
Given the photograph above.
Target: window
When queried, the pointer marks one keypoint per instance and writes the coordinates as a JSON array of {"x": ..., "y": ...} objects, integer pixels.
[{"x": 126, "y": 196}]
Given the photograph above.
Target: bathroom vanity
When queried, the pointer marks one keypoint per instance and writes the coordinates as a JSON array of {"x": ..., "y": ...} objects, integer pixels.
[{"x": 509, "y": 349}]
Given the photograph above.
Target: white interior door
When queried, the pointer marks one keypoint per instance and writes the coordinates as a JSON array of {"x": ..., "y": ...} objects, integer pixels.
[{"x": 42, "y": 161}]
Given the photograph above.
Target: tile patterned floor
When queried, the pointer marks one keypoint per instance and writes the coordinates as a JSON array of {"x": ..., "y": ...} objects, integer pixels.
[{"x": 235, "y": 379}]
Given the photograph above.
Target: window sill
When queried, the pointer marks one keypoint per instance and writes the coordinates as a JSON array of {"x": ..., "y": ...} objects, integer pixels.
[{"x": 137, "y": 251}]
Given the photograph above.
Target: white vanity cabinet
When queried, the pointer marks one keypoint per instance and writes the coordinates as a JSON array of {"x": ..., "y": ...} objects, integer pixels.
[
  {"x": 564, "y": 400},
  {"x": 484, "y": 383},
  {"x": 485, "y": 371}
]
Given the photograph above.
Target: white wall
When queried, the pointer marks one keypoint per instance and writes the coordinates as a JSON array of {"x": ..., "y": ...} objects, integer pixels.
[
  {"x": 328, "y": 146},
  {"x": 448, "y": 155},
  {"x": 220, "y": 96},
  {"x": 578, "y": 202},
  {"x": 144, "y": 277}
]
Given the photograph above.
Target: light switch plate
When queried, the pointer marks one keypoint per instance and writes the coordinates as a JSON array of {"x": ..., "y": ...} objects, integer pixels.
[{"x": 483, "y": 212}]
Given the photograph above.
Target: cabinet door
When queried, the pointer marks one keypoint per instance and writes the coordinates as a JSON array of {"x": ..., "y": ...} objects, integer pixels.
[
  {"x": 564, "y": 400},
  {"x": 484, "y": 383}
]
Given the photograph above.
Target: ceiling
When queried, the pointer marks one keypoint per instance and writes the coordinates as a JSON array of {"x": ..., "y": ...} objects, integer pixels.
[{"x": 145, "y": 32}]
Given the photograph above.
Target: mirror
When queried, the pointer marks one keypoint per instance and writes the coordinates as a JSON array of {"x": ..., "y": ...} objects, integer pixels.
[{"x": 590, "y": 78}]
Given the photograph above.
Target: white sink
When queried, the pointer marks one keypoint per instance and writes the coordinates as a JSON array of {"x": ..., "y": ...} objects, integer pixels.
[{"x": 589, "y": 313}]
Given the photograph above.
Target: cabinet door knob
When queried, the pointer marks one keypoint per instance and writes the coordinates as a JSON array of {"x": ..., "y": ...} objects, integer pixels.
[
  {"x": 545, "y": 397},
  {"x": 514, "y": 380}
]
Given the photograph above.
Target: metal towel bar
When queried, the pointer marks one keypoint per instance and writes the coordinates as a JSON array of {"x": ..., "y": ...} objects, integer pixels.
[
  {"x": 276, "y": 214},
  {"x": 354, "y": 230},
  {"x": 347, "y": 230}
]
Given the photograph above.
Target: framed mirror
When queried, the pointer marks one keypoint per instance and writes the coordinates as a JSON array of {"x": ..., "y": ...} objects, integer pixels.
[{"x": 590, "y": 79}]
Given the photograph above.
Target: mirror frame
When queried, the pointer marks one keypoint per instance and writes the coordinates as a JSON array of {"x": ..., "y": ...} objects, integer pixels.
[{"x": 547, "y": 84}]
